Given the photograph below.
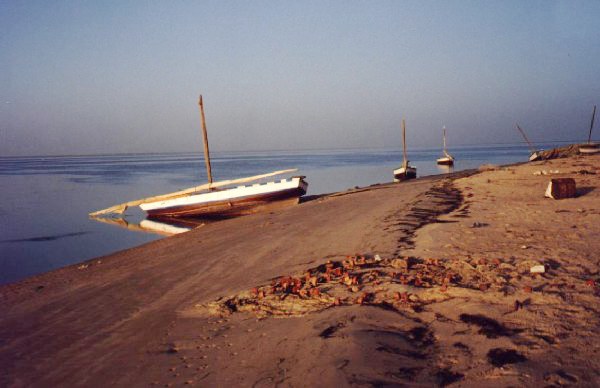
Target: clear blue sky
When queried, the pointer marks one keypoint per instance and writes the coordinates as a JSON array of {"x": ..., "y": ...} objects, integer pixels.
[{"x": 82, "y": 77}]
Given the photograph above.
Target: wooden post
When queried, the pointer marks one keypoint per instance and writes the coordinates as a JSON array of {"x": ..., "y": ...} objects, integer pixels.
[
  {"x": 592, "y": 125},
  {"x": 205, "y": 140}
]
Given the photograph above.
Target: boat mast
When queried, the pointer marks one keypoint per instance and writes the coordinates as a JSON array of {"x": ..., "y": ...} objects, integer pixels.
[
  {"x": 404, "y": 142},
  {"x": 205, "y": 140},
  {"x": 444, "y": 139},
  {"x": 526, "y": 139},
  {"x": 592, "y": 125}
]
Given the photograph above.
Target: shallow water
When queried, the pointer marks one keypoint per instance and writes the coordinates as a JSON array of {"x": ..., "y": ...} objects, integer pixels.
[{"x": 45, "y": 201}]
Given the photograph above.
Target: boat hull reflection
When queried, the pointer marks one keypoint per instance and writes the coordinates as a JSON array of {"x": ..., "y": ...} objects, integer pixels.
[
  {"x": 445, "y": 168},
  {"x": 164, "y": 226}
]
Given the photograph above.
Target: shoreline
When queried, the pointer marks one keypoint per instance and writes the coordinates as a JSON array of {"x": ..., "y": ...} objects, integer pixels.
[
  {"x": 305, "y": 199},
  {"x": 89, "y": 188},
  {"x": 140, "y": 316}
]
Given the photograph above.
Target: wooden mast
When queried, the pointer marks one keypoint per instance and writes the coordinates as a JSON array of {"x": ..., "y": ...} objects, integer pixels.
[
  {"x": 592, "y": 125},
  {"x": 531, "y": 147},
  {"x": 205, "y": 140},
  {"x": 405, "y": 164}
]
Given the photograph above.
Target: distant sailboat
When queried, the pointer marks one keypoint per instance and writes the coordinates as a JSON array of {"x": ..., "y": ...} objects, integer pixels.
[
  {"x": 447, "y": 159},
  {"x": 535, "y": 154},
  {"x": 590, "y": 148},
  {"x": 405, "y": 171}
]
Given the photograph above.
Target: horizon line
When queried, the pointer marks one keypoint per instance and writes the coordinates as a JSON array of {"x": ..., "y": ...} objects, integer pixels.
[{"x": 522, "y": 143}]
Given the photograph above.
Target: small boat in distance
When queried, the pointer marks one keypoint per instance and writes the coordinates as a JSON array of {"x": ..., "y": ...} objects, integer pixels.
[
  {"x": 589, "y": 147},
  {"x": 447, "y": 159},
  {"x": 406, "y": 171},
  {"x": 535, "y": 154},
  {"x": 209, "y": 200}
]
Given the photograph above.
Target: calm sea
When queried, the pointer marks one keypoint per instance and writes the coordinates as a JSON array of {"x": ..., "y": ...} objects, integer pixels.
[{"x": 45, "y": 201}]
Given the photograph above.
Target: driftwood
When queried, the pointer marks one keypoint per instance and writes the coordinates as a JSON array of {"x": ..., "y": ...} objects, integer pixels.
[
  {"x": 120, "y": 208},
  {"x": 560, "y": 152}
]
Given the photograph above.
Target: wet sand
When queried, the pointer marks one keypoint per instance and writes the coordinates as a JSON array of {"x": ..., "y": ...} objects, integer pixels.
[{"x": 421, "y": 283}]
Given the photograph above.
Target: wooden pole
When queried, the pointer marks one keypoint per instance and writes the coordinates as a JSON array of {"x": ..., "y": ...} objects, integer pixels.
[
  {"x": 592, "y": 125},
  {"x": 205, "y": 140},
  {"x": 404, "y": 142}
]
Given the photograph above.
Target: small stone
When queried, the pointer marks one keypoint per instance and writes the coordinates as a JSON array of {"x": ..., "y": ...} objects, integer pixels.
[{"x": 537, "y": 269}]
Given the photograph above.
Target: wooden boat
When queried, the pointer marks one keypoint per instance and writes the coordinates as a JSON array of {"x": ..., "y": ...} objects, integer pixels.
[
  {"x": 231, "y": 202},
  {"x": 216, "y": 199},
  {"x": 447, "y": 159},
  {"x": 405, "y": 171},
  {"x": 589, "y": 147},
  {"x": 535, "y": 154}
]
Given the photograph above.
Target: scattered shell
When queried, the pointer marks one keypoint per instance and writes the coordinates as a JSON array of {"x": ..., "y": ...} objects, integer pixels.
[{"x": 537, "y": 269}]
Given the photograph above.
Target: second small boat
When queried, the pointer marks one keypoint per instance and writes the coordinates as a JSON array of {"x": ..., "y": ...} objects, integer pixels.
[
  {"x": 406, "y": 171},
  {"x": 447, "y": 159}
]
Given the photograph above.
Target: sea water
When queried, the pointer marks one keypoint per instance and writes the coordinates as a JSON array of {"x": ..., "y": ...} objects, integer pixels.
[{"x": 45, "y": 201}]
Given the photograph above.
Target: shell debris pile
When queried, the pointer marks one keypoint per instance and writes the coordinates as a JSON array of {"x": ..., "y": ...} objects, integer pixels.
[{"x": 393, "y": 283}]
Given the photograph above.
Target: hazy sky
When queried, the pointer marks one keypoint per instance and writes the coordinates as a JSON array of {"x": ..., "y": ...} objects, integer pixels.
[{"x": 83, "y": 77}]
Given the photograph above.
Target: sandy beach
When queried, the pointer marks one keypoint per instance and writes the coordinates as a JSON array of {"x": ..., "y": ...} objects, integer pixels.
[{"x": 423, "y": 283}]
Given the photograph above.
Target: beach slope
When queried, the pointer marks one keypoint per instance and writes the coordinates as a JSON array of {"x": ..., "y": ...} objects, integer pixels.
[{"x": 426, "y": 282}]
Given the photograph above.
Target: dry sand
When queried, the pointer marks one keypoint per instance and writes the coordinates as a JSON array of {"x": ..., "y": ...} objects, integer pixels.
[{"x": 420, "y": 283}]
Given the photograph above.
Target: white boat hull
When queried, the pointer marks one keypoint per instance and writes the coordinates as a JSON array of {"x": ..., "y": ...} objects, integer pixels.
[
  {"x": 405, "y": 173},
  {"x": 447, "y": 161},
  {"x": 230, "y": 202},
  {"x": 534, "y": 156},
  {"x": 589, "y": 148}
]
